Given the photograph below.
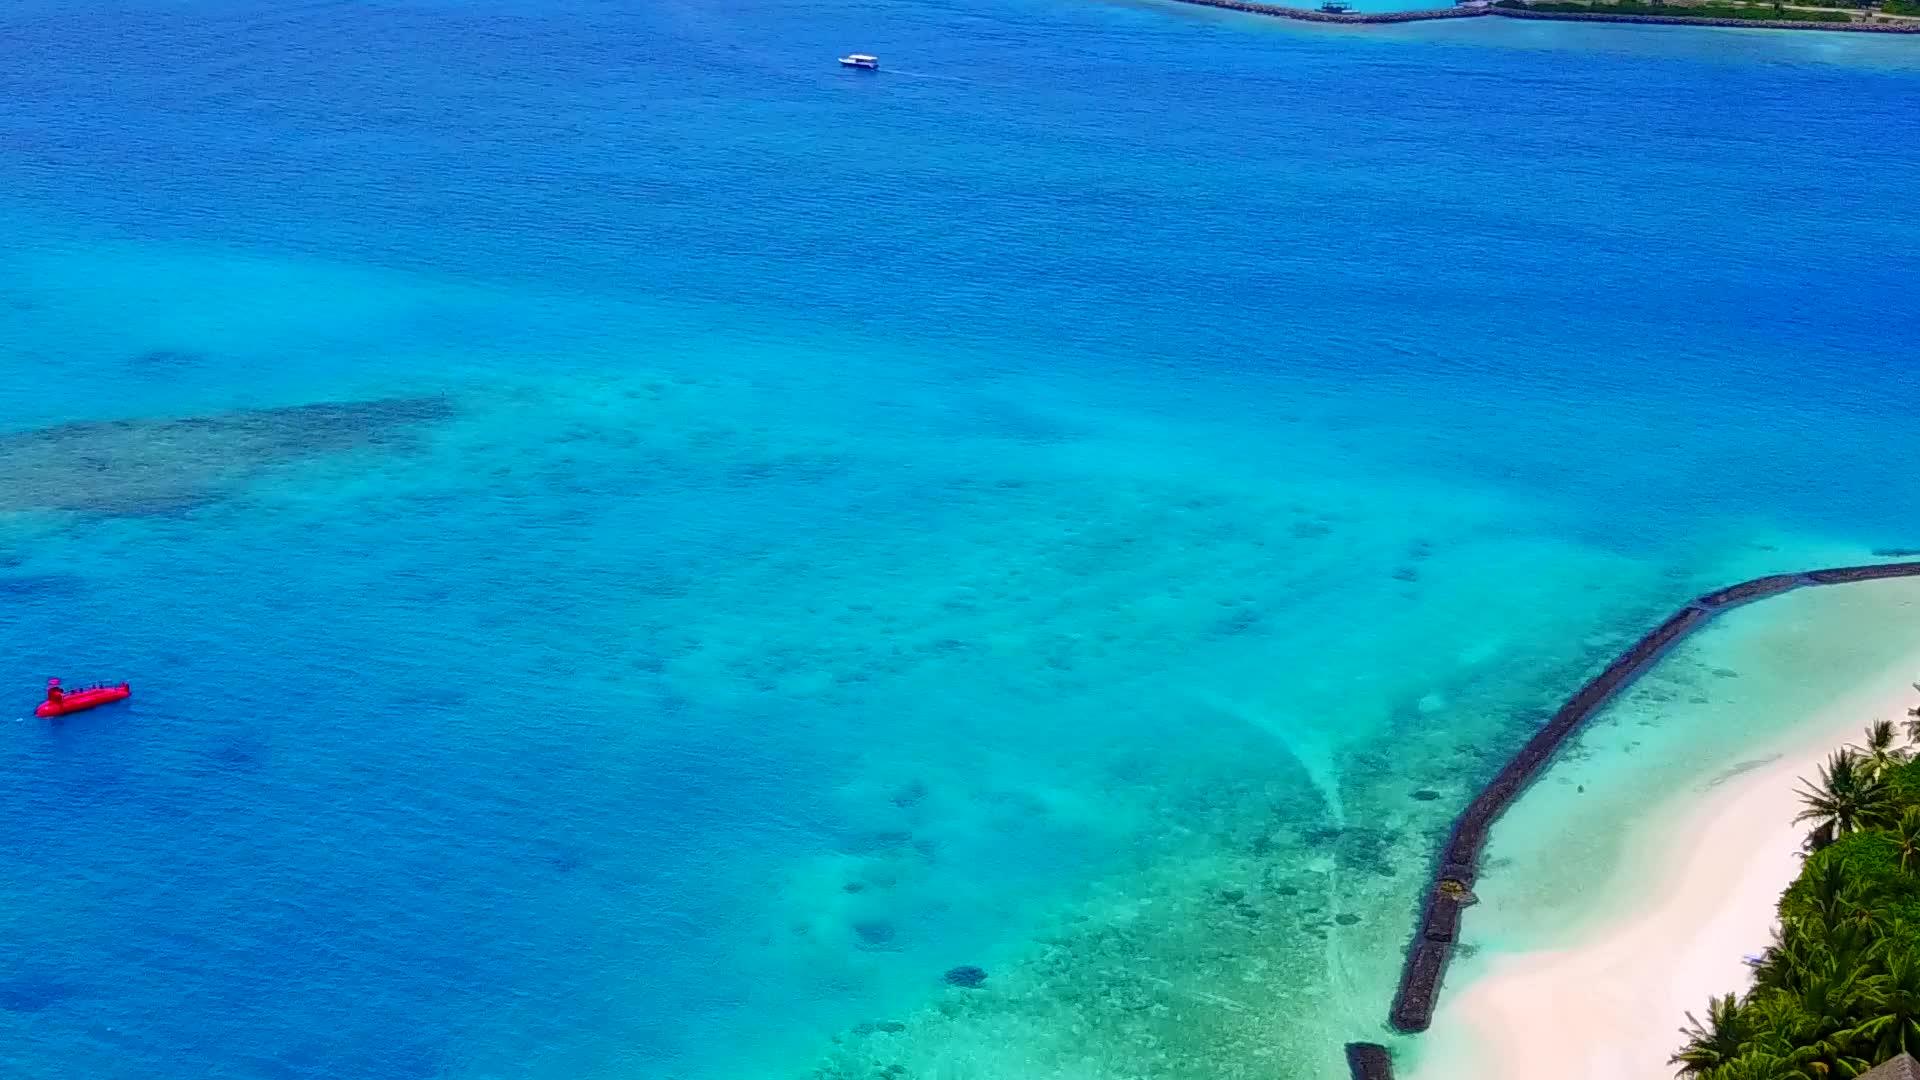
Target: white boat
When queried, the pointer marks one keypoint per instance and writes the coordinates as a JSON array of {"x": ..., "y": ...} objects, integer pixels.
[{"x": 861, "y": 60}]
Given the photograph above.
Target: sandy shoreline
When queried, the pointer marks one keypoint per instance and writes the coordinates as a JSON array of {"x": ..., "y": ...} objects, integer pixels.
[{"x": 1713, "y": 861}]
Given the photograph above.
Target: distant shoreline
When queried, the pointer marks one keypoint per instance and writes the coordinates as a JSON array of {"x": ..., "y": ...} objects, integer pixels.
[{"x": 1253, "y": 7}]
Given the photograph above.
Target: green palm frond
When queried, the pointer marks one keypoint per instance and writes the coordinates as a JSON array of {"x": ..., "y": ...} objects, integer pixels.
[
  {"x": 1880, "y": 751},
  {"x": 1906, "y": 839},
  {"x": 1850, "y": 796},
  {"x": 1714, "y": 1042}
]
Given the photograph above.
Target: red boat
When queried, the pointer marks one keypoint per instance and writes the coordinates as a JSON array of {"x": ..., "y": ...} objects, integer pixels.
[{"x": 60, "y": 702}]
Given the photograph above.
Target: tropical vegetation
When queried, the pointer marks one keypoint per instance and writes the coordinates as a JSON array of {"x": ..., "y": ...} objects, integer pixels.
[
  {"x": 1771, "y": 12},
  {"x": 1838, "y": 989}
]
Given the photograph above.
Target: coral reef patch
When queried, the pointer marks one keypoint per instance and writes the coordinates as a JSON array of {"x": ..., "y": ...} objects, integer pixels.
[{"x": 143, "y": 467}]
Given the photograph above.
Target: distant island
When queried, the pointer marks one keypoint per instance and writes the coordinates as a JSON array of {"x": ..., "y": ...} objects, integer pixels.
[
  {"x": 1893, "y": 14},
  {"x": 1838, "y": 989},
  {"x": 1872, "y": 16}
]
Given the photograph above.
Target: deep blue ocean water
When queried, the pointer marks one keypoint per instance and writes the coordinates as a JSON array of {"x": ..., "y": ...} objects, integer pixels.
[{"x": 1088, "y": 501}]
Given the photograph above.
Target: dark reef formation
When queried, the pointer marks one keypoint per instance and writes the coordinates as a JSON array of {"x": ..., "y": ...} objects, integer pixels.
[
  {"x": 157, "y": 466},
  {"x": 966, "y": 975}
]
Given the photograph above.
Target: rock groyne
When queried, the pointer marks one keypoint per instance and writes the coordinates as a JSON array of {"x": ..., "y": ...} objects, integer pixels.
[
  {"x": 1369, "y": 1061},
  {"x": 1458, "y": 863}
]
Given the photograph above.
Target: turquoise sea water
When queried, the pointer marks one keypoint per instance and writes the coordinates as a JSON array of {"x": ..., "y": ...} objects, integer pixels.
[{"x": 638, "y": 549}]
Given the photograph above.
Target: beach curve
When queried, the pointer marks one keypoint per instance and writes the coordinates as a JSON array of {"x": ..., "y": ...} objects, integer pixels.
[{"x": 1710, "y": 863}]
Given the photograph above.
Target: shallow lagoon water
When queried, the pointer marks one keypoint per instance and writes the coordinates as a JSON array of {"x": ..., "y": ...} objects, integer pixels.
[
  {"x": 1050, "y": 507},
  {"x": 1732, "y": 699}
]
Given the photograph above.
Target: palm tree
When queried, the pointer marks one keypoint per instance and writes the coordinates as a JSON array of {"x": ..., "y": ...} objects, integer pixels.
[
  {"x": 1892, "y": 1002},
  {"x": 1879, "y": 755},
  {"x": 1841, "y": 955},
  {"x": 1849, "y": 797},
  {"x": 1778, "y": 965},
  {"x": 1906, "y": 834},
  {"x": 1820, "y": 837},
  {"x": 1913, "y": 724},
  {"x": 1760, "y": 1065},
  {"x": 1794, "y": 1036},
  {"x": 1832, "y": 936},
  {"x": 1818, "y": 1019},
  {"x": 1829, "y": 899},
  {"x": 1714, "y": 1043}
]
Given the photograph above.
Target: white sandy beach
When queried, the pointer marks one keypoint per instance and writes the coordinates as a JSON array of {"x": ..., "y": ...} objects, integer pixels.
[{"x": 1608, "y": 1004}]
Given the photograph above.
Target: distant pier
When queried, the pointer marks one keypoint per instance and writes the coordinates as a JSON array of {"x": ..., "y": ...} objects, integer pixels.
[{"x": 1280, "y": 11}]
